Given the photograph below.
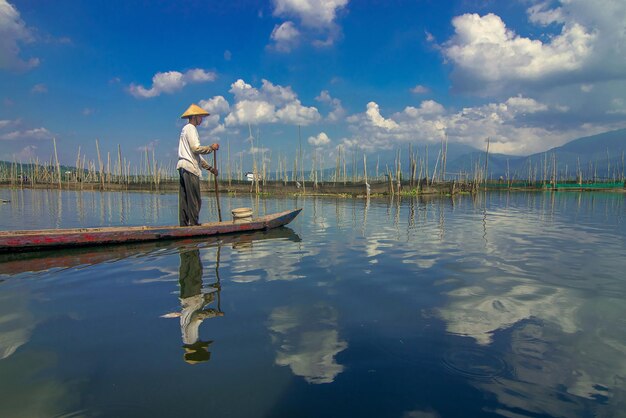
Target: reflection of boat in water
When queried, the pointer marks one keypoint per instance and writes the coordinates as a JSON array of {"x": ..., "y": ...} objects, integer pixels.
[
  {"x": 64, "y": 238},
  {"x": 44, "y": 260}
]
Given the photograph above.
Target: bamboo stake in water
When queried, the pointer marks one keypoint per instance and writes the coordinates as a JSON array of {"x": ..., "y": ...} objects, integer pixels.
[
  {"x": 427, "y": 168},
  {"x": 487, "y": 163},
  {"x": 399, "y": 171},
  {"x": 83, "y": 171},
  {"x": 411, "y": 165},
  {"x": 436, "y": 164},
  {"x": 154, "y": 169},
  {"x": 367, "y": 186},
  {"x": 229, "y": 167},
  {"x": 217, "y": 193},
  {"x": 345, "y": 176},
  {"x": 56, "y": 158},
  {"x": 100, "y": 166},
  {"x": 77, "y": 165},
  {"x": 444, "y": 158},
  {"x": 108, "y": 169},
  {"x": 119, "y": 164},
  {"x": 300, "y": 157}
]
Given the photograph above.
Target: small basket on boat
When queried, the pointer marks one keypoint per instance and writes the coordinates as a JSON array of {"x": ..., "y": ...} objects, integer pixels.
[{"x": 242, "y": 215}]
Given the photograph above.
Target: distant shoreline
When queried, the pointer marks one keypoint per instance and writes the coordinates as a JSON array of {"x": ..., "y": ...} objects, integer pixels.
[{"x": 341, "y": 189}]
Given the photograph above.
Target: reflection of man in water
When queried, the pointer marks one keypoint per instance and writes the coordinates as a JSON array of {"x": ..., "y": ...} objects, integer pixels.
[{"x": 192, "y": 301}]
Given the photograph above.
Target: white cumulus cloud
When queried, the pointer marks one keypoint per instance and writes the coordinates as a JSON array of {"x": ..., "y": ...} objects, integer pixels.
[
  {"x": 170, "y": 82},
  {"x": 215, "y": 105},
  {"x": 285, "y": 37},
  {"x": 542, "y": 14},
  {"x": 296, "y": 114},
  {"x": 251, "y": 111},
  {"x": 579, "y": 43},
  {"x": 514, "y": 126},
  {"x": 29, "y": 134},
  {"x": 320, "y": 140},
  {"x": 317, "y": 23},
  {"x": 586, "y": 88},
  {"x": 269, "y": 104},
  {"x": 376, "y": 119},
  {"x": 13, "y": 32},
  {"x": 484, "y": 50},
  {"x": 4, "y": 123},
  {"x": 277, "y": 94},
  {"x": 27, "y": 153},
  {"x": 313, "y": 13},
  {"x": 419, "y": 89},
  {"x": 338, "y": 112},
  {"x": 525, "y": 105},
  {"x": 39, "y": 88},
  {"x": 198, "y": 75}
]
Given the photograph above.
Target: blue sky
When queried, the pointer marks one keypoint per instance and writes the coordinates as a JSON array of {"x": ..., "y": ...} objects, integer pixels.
[{"x": 372, "y": 74}]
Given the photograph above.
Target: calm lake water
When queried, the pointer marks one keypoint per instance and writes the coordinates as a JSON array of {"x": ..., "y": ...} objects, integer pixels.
[{"x": 499, "y": 305}]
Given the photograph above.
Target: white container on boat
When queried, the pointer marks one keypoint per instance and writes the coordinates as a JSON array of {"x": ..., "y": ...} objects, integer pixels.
[{"x": 242, "y": 215}]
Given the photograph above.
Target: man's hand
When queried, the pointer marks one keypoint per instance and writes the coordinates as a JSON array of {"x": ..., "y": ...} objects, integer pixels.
[
  {"x": 206, "y": 166},
  {"x": 215, "y": 147}
]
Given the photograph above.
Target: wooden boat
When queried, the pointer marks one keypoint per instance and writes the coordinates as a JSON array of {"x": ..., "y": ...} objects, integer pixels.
[
  {"x": 37, "y": 261},
  {"x": 16, "y": 241}
]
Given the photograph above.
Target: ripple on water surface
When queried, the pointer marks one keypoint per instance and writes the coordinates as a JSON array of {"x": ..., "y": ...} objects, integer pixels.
[{"x": 474, "y": 363}]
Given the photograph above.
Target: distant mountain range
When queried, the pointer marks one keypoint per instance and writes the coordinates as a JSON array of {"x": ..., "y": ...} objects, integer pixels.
[
  {"x": 600, "y": 156},
  {"x": 7, "y": 166}
]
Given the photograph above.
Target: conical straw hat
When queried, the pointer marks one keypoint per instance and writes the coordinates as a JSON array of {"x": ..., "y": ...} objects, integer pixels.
[{"x": 194, "y": 110}]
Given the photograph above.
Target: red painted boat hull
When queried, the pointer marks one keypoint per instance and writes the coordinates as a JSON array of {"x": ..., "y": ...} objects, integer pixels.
[
  {"x": 15, "y": 241},
  {"x": 35, "y": 261}
]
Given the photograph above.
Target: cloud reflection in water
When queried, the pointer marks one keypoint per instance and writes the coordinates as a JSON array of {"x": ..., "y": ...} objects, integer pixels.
[{"x": 308, "y": 341}]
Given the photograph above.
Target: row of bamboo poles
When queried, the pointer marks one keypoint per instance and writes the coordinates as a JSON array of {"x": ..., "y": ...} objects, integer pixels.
[
  {"x": 104, "y": 173},
  {"x": 117, "y": 171}
]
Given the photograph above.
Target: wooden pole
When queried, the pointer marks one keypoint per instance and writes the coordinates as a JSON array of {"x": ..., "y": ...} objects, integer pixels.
[
  {"x": 56, "y": 158},
  {"x": 487, "y": 163},
  {"x": 77, "y": 166},
  {"x": 217, "y": 192},
  {"x": 119, "y": 164},
  {"x": 367, "y": 186}
]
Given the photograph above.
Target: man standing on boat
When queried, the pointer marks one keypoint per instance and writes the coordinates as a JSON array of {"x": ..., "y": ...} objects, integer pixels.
[{"x": 189, "y": 162}]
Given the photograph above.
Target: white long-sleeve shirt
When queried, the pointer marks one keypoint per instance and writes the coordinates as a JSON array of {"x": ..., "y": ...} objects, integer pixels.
[
  {"x": 189, "y": 319},
  {"x": 189, "y": 150}
]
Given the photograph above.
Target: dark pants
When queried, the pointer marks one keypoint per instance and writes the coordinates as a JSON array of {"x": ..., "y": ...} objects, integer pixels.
[{"x": 189, "y": 200}]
